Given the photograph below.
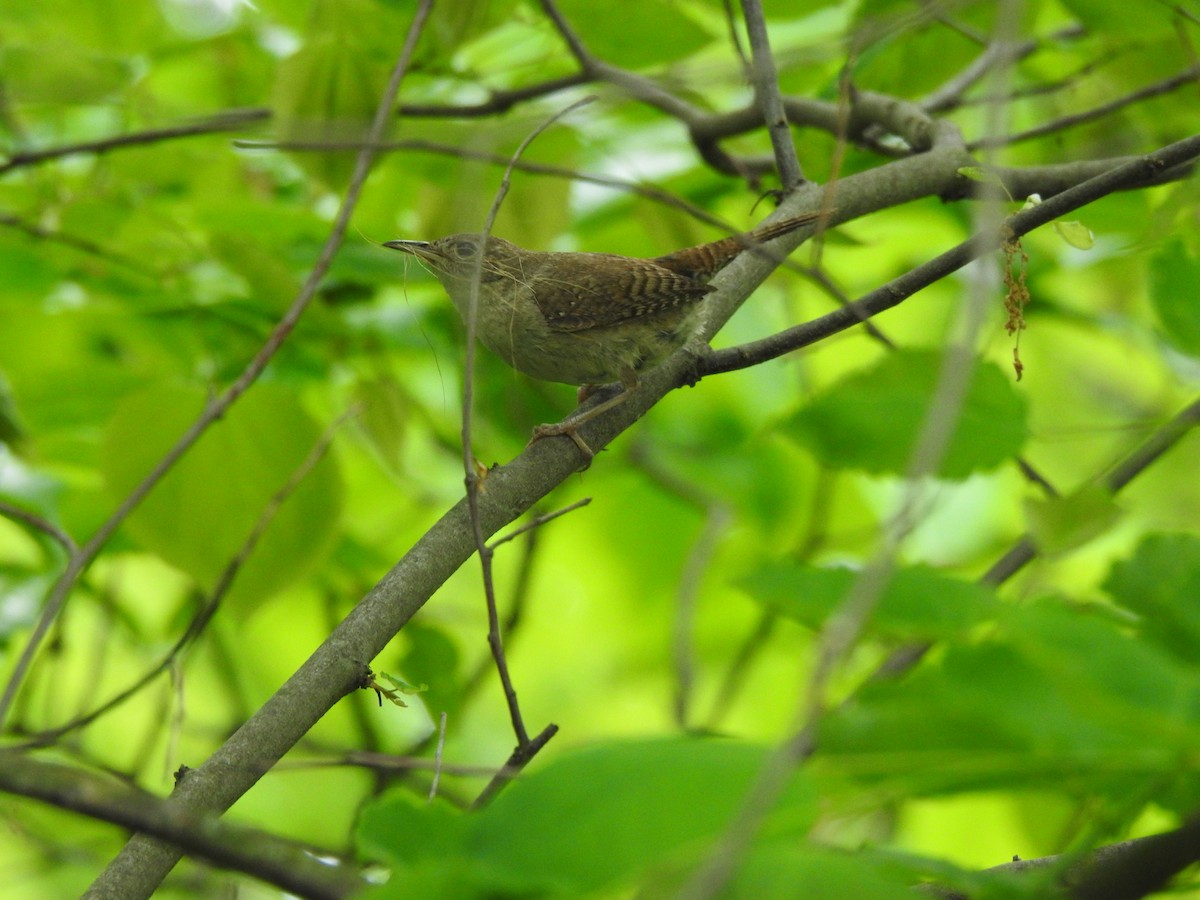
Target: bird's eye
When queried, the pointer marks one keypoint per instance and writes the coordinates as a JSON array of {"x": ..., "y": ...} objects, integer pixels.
[{"x": 464, "y": 249}]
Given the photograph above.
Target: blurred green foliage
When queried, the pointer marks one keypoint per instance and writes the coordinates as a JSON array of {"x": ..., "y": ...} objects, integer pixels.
[{"x": 1056, "y": 713}]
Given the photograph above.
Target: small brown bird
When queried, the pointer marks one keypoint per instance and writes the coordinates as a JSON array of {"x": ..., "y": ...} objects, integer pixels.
[{"x": 583, "y": 318}]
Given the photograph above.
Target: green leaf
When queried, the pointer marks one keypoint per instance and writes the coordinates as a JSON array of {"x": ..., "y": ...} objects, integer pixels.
[
  {"x": 1076, "y": 234},
  {"x": 826, "y": 874},
  {"x": 1161, "y": 583},
  {"x": 871, "y": 419},
  {"x": 1059, "y": 524},
  {"x": 452, "y": 25},
  {"x": 918, "y": 602},
  {"x": 327, "y": 91},
  {"x": 67, "y": 372},
  {"x": 890, "y": 51},
  {"x": 1053, "y": 693},
  {"x": 592, "y": 819},
  {"x": 984, "y": 176},
  {"x": 202, "y": 512},
  {"x": 1175, "y": 287},
  {"x": 394, "y": 829},
  {"x": 386, "y": 410}
]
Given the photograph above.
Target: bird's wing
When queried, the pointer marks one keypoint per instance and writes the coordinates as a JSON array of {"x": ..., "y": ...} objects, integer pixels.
[{"x": 598, "y": 291}]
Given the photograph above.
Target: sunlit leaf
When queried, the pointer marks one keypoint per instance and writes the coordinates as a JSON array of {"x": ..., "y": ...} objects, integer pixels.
[{"x": 1076, "y": 234}]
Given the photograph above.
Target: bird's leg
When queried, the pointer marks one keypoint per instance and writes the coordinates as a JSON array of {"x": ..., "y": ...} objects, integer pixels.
[
  {"x": 570, "y": 425},
  {"x": 585, "y": 391}
]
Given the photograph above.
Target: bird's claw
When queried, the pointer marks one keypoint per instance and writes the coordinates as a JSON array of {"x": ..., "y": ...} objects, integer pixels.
[{"x": 564, "y": 429}]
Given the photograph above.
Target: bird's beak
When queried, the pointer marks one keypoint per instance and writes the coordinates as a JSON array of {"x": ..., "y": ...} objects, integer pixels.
[{"x": 416, "y": 248}]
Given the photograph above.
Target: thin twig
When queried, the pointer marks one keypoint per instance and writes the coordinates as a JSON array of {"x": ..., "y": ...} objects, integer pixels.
[
  {"x": 657, "y": 195},
  {"x": 766, "y": 94},
  {"x": 473, "y": 480},
  {"x": 513, "y": 766},
  {"x": 498, "y": 101},
  {"x": 1024, "y": 550},
  {"x": 1166, "y": 86},
  {"x": 516, "y": 611},
  {"x": 739, "y": 667},
  {"x": 226, "y": 121},
  {"x": 1124, "y": 472},
  {"x": 950, "y": 94},
  {"x": 539, "y": 521},
  {"x": 76, "y": 243},
  {"x": 586, "y": 61},
  {"x": 389, "y": 762},
  {"x": 38, "y": 523},
  {"x": 437, "y": 756},
  {"x": 735, "y": 39}
]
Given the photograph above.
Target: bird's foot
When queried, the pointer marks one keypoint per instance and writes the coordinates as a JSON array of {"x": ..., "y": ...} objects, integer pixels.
[
  {"x": 570, "y": 425},
  {"x": 695, "y": 369},
  {"x": 569, "y": 429}
]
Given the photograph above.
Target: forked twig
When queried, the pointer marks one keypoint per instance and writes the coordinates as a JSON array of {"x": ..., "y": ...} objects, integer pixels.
[{"x": 525, "y": 748}]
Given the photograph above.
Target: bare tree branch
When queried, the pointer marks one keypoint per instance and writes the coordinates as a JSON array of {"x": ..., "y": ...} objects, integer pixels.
[
  {"x": 1123, "y": 871},
  {"x": 281, "y": 863},
  {"x": 1136, "y": 172},
  {"x": 997, "y": 53}
]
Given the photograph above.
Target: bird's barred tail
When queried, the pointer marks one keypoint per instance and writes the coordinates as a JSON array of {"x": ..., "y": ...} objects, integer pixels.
[
  {"x": 707, "y": 260},
  {"x": 783, "y": 226}
]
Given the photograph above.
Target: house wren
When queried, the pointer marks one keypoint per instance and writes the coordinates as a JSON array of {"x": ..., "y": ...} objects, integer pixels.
[{"x": 583, "y": 318}]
